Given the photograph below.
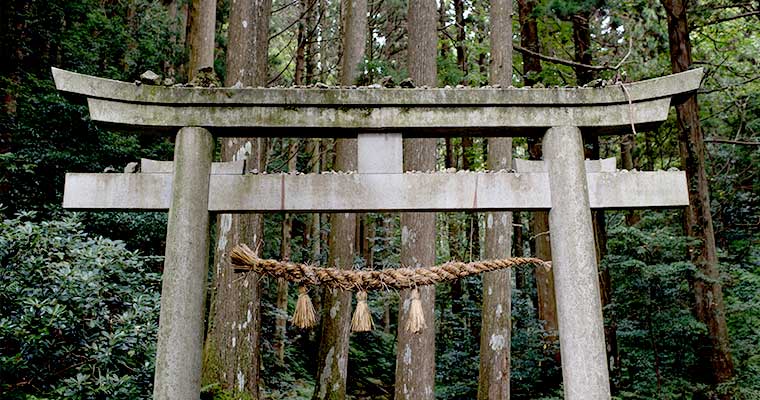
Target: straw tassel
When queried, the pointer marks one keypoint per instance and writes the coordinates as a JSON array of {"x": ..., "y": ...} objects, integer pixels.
[
  {"x": 416, "y": 320},
  {"x": 304, "y": 317},
  {"x": 362, "y": 319}
]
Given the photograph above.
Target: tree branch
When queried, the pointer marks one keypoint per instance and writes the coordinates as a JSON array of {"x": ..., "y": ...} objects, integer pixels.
[
  {"x": 726, "y": 19},
  {"x": 727, "y": 87},
  {"x": 560, "y": 61},
  {"x": 731, "y": 141}
]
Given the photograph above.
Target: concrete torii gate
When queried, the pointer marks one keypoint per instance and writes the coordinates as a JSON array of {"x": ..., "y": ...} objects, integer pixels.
[{"x": 192, "y": 186}]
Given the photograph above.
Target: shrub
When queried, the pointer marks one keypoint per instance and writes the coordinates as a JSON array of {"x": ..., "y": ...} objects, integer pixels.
[{"x": 78, "y": 314}]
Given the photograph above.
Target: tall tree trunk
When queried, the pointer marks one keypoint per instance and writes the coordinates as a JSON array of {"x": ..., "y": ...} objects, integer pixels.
[
  {"x": 708, "y": 292},
  {"x": 472, "y": 226},
  {"x": 310, "y": 54},
  {"x": 302, "y": 36},
  {"x": 367, "y": 232},
  {"x": 582, "y": 43},
  {"x": 442, "y": 21},
  {"x": 415, "y": 352},
  {"x": 529, "y": 40},
  {"x": 332, "y": 363},
  {"x": 354, "y": 40},
  {"x": 539, "y": 224},
  {"x": 387, "y": 229},
  {"x": 521, "y": 281},
  {"x": 314, "y": 230},
  {"x": 313, "y": 148},
  {"x": 202, "y": 22},
  {"x": 496, "y": 330},
  {"x": 627, "y": 144},
  {"x": 453, "y": 225},
  {"x": 286, "y": 251},
  {"x": 231, "y": 352},
  {"x": 459, "y": 19}
]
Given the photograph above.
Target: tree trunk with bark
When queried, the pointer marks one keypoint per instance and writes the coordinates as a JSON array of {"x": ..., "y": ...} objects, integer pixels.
[
  {"x": 529, "y": 40},
  {"x": 415, "y": 352},
  {"x": 332, "y": 362},
  {"x": 354, "y": 40},
  {"x": 627, "y": 145},
  {"x": 200, "y": 39},
  {"x": 460, "y": 37},
  {"x": 314, "y": 148},
  {"x": 231, "y": 352},
  {"x": 453, "y": 225},
  {"x": 442, "y": 22},
  {"x": 539, "y": 224},
  {"x": 496, "y": 327},
  {"x": 708, "y": 291},
  {"x": 472, "y": 223},
  {"x": 582, "y": 44},
  {"x": 310, "y": 53},
  {"x": 286, "y": 251}
]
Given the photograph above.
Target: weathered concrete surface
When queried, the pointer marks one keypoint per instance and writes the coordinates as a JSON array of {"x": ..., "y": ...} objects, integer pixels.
[
  {"x": 180, "y": 330},
  {"x": 375, "y": 192},
  {"x": 94, "y": 87},
  {"x": 380, "y": 153},
  {"x": 418, "y": 120},
  {"x": 414, "y": 111},
  {"x": 604, "y": 165},
  {"x": 581, "y": 327},
  {"x": 148, "y": 166}
]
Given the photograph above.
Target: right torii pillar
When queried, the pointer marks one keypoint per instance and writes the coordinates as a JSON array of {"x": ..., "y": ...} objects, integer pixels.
[{"x": 576, "y": 274}]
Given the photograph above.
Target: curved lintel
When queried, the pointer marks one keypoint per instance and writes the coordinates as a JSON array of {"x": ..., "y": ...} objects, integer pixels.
[{"x": 416, "y": 111}]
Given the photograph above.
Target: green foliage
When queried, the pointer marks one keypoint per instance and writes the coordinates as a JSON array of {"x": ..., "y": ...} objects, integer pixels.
[
  {"x": 657, "y": 331},
  {"x": 49, "y": 136},
  {"x": 372, "y": 359},
  {"x": 78, "y": 314}
]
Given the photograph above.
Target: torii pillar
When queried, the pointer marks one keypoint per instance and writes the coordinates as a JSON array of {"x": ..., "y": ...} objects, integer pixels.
[
  {"x": 576, "y": 274},
  {"x": 179, "y": 350}
]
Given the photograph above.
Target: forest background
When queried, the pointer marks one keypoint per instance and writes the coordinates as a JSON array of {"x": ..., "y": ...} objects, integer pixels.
[{"x": 79, "y": 292}]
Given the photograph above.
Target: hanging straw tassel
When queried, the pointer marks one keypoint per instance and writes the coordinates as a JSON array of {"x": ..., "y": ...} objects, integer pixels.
[
  {"x": 362, "y": 319},
  {"x": 416, "y": 320},
  {"x": 304, "y": 317}
]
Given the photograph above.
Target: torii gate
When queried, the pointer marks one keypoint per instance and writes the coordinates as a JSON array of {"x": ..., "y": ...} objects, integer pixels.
[{"x": 563, "y": 183}]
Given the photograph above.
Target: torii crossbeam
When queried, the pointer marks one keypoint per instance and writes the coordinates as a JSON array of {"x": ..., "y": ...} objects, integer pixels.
[{"x": 563, "y": 183}]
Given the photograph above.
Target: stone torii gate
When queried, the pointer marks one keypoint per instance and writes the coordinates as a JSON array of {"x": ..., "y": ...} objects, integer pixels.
[{"x": 192, "y": 186}]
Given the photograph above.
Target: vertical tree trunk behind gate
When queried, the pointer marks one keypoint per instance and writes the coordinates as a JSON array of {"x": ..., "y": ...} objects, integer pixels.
[
  {"x": 332, "y": 362},
  {"x": 415, "y": 352},
  {"x": 708, "y": 292},
  {"x": 539, "y": 223},
  {"x": 286, "y": 250},
  {"x": 202, "y": 24},
  {"x": 231, "y": 353},
  {"x": 496, "y": 330}
]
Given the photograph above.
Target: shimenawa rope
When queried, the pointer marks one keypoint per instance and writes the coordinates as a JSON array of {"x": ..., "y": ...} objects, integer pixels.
[{"x": 244, "y": 259}]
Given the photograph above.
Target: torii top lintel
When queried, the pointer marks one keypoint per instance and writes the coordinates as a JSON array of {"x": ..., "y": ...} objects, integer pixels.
[{"x": 344, "y": 111}]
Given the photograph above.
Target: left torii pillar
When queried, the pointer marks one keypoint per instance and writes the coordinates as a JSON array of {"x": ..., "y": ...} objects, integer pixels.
[{"x": 180, "y": 330}]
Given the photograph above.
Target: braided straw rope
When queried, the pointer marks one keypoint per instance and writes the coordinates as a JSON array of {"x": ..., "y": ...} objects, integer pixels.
[{"x": 244, "y": 259}]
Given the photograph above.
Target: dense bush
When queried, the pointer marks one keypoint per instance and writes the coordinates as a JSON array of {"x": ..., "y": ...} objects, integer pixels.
[{"x": 78, "y": 314}]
